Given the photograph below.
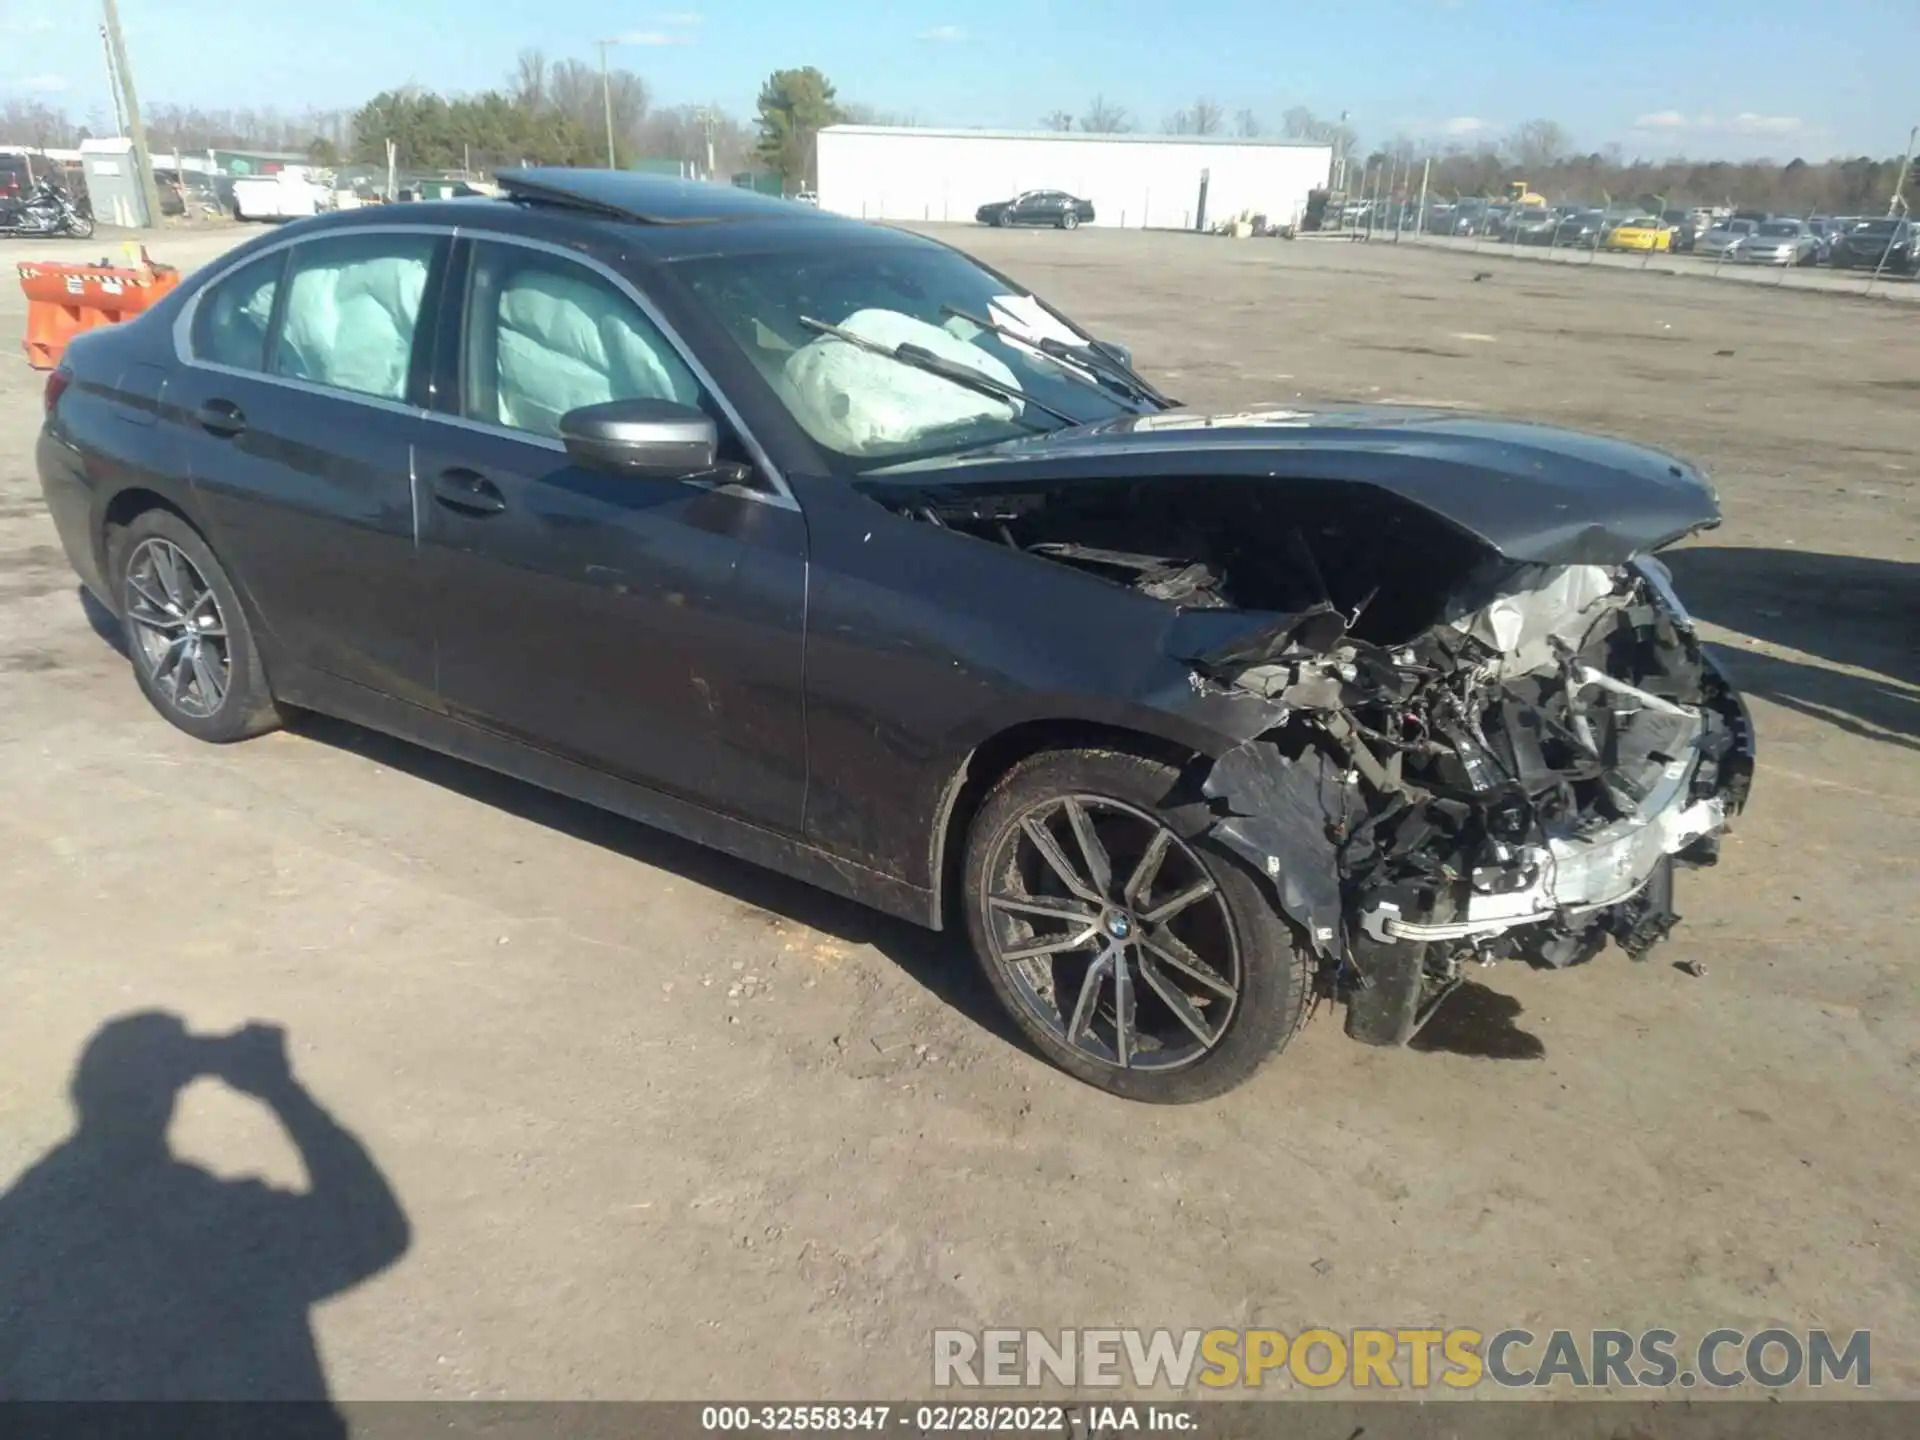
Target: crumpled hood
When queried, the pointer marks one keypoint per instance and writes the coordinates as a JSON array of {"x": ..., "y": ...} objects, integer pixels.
[{"x": 1531, "y": 493}]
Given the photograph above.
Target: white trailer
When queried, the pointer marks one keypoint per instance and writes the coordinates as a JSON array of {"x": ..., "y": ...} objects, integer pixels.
[{"x": 882, "y": 172}]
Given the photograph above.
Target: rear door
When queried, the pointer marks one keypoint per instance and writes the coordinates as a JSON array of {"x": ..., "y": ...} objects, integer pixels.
[
  {"x": 301, "y": 401},
  {"x": 649, "y": 629}
]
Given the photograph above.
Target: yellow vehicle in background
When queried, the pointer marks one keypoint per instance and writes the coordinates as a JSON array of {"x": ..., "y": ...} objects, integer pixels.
[
  {"x": 1520, "y": 193},
  {"x": 1641, "y": 235}
]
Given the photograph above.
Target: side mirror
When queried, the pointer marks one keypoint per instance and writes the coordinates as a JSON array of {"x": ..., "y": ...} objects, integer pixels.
[
  {"x": 1114, "y": 350},
  {"x": 648, "y": 439}
]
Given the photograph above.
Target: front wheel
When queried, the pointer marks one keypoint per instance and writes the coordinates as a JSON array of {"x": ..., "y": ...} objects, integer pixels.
[
  {"x": 1130, "y": 950},
  {"x": 192, "y": 651},
  {"x": 79, "y": 226},
  {"x": 1004, "y": 219}
]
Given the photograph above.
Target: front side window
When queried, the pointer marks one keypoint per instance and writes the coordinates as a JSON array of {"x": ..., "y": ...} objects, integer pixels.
[
  {"x": 869, "y": 408},
  {"x": 545, "y": 336},
  {"x": 230, "y": 320},
  {"x": 352, "y": 310}
]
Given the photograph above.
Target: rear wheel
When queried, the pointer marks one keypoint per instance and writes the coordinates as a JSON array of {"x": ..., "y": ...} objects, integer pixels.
[
  {"x": 192, "y": 650},
  {"x": 1070, "y": 220},
  {"x": 1132, "y": 952}
]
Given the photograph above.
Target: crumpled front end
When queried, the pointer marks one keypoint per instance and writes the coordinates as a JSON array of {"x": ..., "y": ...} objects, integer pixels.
[
  {"x": 1519, "y": 780},
  {"x": 1451, "y": 751}
]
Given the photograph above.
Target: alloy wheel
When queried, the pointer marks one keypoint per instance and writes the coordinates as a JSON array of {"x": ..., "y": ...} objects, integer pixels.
[
  {"x": 175, "y": 622},
  {"x": 1112, "y": 933}
]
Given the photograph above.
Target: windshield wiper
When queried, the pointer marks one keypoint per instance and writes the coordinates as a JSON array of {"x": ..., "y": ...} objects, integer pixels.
[
  {"x": 1098, "y": 365},
  {"x": 921, "y": 358}
]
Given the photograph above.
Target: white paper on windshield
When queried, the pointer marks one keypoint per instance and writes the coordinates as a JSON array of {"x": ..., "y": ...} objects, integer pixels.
[{"x": 857, "y": 402}]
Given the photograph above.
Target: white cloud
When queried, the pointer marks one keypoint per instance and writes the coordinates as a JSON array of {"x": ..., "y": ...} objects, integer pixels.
[
  {"x": 651, "y": 37},
  {"x": 1465, "y": 125},
  {"x": 943, "y": 35},
  {"x": 1747, "y": 122},
  {"x": 37, "y": 84}
]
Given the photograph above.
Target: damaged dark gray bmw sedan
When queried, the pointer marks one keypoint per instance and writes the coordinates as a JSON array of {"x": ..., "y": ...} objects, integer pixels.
[{"x": 825, "y": 545}]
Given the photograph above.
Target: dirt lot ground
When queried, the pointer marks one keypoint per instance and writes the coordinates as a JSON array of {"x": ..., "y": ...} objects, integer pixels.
[{"x": 662, "y": 1125}]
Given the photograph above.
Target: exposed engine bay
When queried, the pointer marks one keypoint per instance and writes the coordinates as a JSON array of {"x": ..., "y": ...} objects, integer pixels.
[{"x": 1469, "y": 757}]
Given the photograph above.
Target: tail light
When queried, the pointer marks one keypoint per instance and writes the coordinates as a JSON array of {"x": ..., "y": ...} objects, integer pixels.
[{"x": 57, "y": 382}]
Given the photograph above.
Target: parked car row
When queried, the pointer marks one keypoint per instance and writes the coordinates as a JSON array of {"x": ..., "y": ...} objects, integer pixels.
[{"x": 1890, "y": 244}]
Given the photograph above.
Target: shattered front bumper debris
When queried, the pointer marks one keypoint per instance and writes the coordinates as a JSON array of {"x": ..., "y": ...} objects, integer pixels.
[{"x": 1519, "y": 780}]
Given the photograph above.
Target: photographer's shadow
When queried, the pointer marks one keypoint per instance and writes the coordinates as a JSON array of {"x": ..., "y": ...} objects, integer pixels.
[{"x": 128, "y": 1274}]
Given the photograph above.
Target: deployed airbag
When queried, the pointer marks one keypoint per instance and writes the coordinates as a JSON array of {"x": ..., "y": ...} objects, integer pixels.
[{"x": 859, "y": 403}]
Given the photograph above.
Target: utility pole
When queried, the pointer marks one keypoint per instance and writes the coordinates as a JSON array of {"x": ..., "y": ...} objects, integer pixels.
[
  {"x": 113, "y": 84},
  {"x": 136, "y": 128},
  {"x": 606, "y": 97},
  {"x": 1420, "y": 216},
  {"x": 706, "y": 130},
  {"x": 1898, "y": 204}
]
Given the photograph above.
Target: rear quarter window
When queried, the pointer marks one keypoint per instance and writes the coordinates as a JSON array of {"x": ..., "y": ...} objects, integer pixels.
[{"x": 231, "y": 319}]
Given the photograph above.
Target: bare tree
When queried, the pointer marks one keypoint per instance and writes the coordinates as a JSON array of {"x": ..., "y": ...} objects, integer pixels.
[
  {"x": 857, "y": 114},
  {"x": 681, "y": 133},
  {"x": 530, "y": 80},
  {"x": 1246, "y": 125},
  {"x": 1057, "y": 120},
  {"x": 1538, "y": 144},
  {"x": 30, "y": 122},
  {"x": 575, "y": 89},
  {"x": 1300, "y": 123},
  {"x": 1105, "y": 118},
  {"x": 1203, "y": 117}
]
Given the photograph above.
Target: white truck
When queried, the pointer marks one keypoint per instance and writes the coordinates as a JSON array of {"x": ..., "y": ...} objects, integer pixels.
[{"x": 290, "y": 193}]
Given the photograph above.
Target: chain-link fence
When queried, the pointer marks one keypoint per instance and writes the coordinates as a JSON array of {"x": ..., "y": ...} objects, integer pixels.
[{"x": 1802, "y": 252}]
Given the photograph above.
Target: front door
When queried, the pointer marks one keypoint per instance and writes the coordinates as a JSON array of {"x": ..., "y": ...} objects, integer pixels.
[
  {"x": 650, "y": 629},
  {"x": 295, "y": 404}
]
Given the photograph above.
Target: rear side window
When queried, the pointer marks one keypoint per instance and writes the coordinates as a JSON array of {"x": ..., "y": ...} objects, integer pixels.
[
  {"x": 545, "y": 336},
  {"x": 352, "y": 310},
  {"x": 230, "y": 322}
]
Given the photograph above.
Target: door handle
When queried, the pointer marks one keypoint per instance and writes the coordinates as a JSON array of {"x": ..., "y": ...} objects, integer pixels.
[
  {"x": 468, "y": 492},
  {"x": 222, "y": 418}
]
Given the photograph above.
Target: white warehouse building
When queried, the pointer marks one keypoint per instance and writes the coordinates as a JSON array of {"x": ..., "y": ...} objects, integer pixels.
[{"x": 882, "y": 172}]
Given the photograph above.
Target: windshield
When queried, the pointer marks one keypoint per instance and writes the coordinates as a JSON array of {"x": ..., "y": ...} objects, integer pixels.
[
  {"x": 1736, "y": 227},
  {"x": 1878, "y": 227},
  {"x": 1780, "y": 227},
  {"x": 867, "y": 407}
]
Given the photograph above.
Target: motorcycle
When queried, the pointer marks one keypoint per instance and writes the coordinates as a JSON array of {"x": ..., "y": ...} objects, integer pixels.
[{"x": 46, "y": 210}]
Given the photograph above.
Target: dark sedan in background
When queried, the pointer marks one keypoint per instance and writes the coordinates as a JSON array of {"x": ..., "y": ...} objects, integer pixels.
[
  {"x": 1054, "y": 208},
  {"x": 825, "y": 545},
  {"x": 1887, "y": 245},
  {"x": 1583, "y": 231}
]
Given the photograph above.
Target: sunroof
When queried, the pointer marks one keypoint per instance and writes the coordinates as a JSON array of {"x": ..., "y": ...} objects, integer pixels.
[{"x": 655, "y": 199}]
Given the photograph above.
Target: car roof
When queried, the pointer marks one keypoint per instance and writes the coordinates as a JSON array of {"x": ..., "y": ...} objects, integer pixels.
[{"x": 661, "y": 216}]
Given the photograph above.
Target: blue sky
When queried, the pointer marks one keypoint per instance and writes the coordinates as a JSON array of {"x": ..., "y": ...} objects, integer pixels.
[{"x": 1721, "y": 77}]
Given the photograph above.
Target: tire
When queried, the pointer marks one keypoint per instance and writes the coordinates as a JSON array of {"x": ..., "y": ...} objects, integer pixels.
[
  {"x": 1070, "y": 220},
  {"x": 1004, "y": 219},
  {"x": 80, "y": 227},
  {"x": 1232, "y": 924},
  {"x": 169, "y": 672}
]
